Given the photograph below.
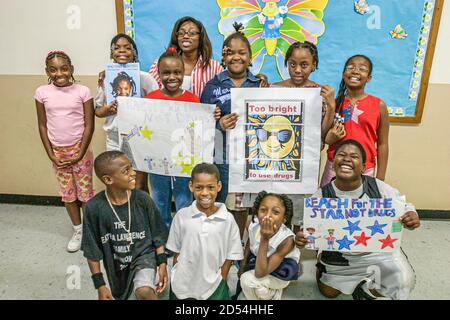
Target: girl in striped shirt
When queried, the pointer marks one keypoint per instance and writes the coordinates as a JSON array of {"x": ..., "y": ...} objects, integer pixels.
[{"x": 190, "y": 39}]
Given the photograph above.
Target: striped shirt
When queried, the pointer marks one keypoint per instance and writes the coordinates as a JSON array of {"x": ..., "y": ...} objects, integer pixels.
[{"x": 199, "y": 76}]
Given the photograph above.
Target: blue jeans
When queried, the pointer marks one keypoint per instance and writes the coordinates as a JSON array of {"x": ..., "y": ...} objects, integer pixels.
[
  {"x": 223, "y": 170},
  {"x": 163, "y": 187}
]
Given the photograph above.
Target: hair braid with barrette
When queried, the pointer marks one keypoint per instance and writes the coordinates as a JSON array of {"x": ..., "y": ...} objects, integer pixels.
[
  {"x": 170, "y": 52},
  {"x": 303, "y": 45},
  {"x": 238, "y": 34},
  {"x": 287, "y": 202},
  {"x": 58, "y": 54}
]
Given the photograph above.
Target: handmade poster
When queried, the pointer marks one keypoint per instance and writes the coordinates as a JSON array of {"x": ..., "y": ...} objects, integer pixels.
[
  {"x": 276, "y": 143},
  {"x": 122, "y": 80},
  {"x": 166, "y": 137},
  {"x": 353, "y": 225}
]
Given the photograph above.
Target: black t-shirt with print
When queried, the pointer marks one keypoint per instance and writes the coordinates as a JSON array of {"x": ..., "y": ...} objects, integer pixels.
[{"x": 105, "y": 239}]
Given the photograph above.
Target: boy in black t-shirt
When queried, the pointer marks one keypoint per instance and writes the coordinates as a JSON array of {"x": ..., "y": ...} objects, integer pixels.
[{"x": 123, "y": 227}]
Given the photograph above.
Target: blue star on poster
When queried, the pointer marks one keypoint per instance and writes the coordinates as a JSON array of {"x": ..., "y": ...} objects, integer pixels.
[
  {"x": 352, "y": 227},
  {"x": 377, "y": 228},
  {"x": 344, "y": 243}
]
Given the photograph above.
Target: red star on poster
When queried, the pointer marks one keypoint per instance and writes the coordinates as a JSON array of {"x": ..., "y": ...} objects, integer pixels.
[
  {"x": 388, "y": 242},
  {"x": 362, "y": 239}
]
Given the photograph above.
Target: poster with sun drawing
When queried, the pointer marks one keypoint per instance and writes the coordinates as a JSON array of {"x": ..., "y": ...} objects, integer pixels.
[
  {"x": 276, "y": 143},
  {"x": 353, "y": 225},
  {"x": 166, "y": 137},
  {"x": 273, "y": 140}
]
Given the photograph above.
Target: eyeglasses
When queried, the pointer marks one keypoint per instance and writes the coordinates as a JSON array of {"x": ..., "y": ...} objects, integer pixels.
[
  {"x": 190, "y": 33},
  {"x": 283, "y": 136},
  {"x": 354, "y": 68}
]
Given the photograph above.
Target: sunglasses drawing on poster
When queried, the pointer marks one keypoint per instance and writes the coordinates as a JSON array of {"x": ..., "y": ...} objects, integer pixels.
[{"x": 273, "y": 148}]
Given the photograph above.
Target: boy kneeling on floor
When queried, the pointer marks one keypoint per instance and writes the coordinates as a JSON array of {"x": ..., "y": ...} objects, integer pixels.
[
  {"x": 123, "y": 227},
  {"x": 350, "y": 273}
]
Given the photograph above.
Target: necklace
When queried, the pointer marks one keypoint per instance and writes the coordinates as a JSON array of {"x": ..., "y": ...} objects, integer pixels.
[{"x": 129, "y": 238}]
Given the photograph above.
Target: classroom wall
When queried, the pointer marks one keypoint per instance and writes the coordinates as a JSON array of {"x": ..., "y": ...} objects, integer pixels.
[{"x": 419, "y": 160}]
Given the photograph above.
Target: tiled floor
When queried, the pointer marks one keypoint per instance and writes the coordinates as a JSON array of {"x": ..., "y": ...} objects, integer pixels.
[{"x": 35, "y": 265}]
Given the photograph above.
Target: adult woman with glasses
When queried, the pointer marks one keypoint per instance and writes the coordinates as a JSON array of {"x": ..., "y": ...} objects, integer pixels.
[{"x": 191, "y": 40}]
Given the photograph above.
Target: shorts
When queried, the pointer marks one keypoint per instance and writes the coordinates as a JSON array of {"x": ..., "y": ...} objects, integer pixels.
[
  {"x": 390, "y": 274},
  {"x": 221, "y": 293},
  {"x": 75, "y": 181},
  {"x": 147, "y": 277}
]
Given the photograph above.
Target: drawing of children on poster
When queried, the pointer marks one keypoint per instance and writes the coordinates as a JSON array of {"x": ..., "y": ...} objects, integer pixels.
[
  {"x": 330, "y": 239},
  {"x": 311, "y": 238},
  {"x": 274, "y": 140}
]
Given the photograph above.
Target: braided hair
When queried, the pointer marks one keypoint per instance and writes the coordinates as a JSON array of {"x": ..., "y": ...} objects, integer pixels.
[
  {"x": 287, "y": 202},
  {"x": 303, "y": 45},
  {"x": 343, "y": 86},
  {"x": 238, "y": 34},
  {"x": 123, "y": 76},
  {"x": 130, "y": 40},
  {"x": 58, "y": 54},
  {"x": 171, "y": 52}
]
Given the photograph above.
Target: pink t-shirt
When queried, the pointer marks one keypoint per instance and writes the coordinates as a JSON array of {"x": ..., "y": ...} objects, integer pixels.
[{"x": 64, "y": 111}]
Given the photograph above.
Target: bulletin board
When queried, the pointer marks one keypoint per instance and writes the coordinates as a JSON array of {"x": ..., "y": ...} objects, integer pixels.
[{"x": 398, "y": 35}]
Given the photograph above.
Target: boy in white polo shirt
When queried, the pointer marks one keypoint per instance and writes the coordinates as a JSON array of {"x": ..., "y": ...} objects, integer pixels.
[{"x": 205, "y": 239}]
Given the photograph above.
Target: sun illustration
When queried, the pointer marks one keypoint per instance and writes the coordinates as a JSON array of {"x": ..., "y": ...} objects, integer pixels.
[{"x": 273, "y": 143}]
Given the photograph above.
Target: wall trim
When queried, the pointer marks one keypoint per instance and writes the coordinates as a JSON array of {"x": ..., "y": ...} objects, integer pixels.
[{"x": 56, "y": 201}]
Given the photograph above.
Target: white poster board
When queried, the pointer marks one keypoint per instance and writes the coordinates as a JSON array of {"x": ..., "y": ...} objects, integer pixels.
[
  {"x": 276, "y": 143},
  {"x": 353, "y": 225},
  {"x": 166, "y": 137}
]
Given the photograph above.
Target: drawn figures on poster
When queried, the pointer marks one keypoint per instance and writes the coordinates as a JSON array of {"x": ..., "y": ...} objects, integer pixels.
[
  {"x": 276, "y": 143},
  {"x": 273, "y": 140},
  {"x": 166, "y": 137},
  {"x": 122, "y": 80},
  {"x": 353, "y": 225}
]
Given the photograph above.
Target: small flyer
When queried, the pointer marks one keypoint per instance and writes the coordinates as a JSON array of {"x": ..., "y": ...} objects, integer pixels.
[{"x": 122, "y": 80}]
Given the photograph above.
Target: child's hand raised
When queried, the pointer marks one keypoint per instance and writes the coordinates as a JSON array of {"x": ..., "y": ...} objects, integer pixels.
[
  {"x": 300, "y": 240},
  {"x": 268, "y": 228},
  {"x": 264, "y": 80},
  {"x": 112, "y": 108},
  {"x": 162, "y": 273},
  {"x": 229, "y": 121},
  {"x": 410, "y": 220},
  {"x": 327, "y": 93},
  {"x": 217, "y": 113},
  {"x": 336, "y": 133}
]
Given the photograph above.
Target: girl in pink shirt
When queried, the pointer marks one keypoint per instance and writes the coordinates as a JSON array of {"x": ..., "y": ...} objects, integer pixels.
[{"x": 65, "y": 113}]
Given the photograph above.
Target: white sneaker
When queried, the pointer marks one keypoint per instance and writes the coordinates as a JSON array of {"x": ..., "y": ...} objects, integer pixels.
[{"x": 75, "y": 243}]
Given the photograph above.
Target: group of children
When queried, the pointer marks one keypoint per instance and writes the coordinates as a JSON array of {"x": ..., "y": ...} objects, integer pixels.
[{"x": 131, "y": 231}]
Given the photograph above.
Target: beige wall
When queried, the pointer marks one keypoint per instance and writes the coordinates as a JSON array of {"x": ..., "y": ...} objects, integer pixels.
[{"x": 419, "y": 159}]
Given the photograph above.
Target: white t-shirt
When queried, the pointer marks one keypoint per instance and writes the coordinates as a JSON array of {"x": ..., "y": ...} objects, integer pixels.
[
  {"x": 203, "y": 244},
  {"x": 148, "y": 84},
  {"x": 187, "y": 83},
  {"x": 254, "y": 235}
]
